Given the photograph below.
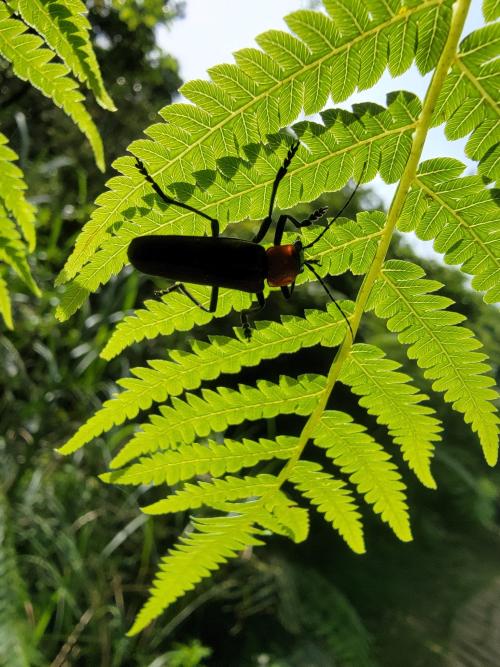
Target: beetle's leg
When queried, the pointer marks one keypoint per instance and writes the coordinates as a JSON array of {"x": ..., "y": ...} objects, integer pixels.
[
  {"x": 266, "y": 223},
  {"x": 255, "y": 307},
  {"x": 180, "y": 287},
  {"x": 168, "y": 200},
  {"x": 214, "y": 297},
  {"x": 280, "y": 226},
  {"x": 288, "y": 291}
]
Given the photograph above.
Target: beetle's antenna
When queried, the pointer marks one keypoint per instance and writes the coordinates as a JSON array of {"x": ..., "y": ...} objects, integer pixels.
[
  {"x": 325, "y": 287},
  {"x": 339, "y": 213}
]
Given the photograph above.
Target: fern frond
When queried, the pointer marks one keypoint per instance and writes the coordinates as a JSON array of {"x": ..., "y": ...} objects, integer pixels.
[
  {"x": 213, "y": 458},
  {"x": 198, "y": 417},
  {"x": 331, "y": 153},
  {"x": 31, "y": 62},
  {"x": 12, "y": 193},
  {"x": 64, "y": 26},
  {"x": 446, "y": 351},
  {"x": 211, "y": 542},
  {"x": 214, "y": 493},
  {"x": 333, "y": 499},
  {"x": 186, "y": 371},
  {"x": 210, "y": 154},
  {"x": 389, "y": 395},
  {"x": 369, "y": 467},
  {"x": 468, "y": 102},
  {"x": 462, "y": 218}
]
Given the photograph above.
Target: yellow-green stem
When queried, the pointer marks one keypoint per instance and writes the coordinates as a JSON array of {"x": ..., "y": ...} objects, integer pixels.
[{"x": 447, "y": 55}]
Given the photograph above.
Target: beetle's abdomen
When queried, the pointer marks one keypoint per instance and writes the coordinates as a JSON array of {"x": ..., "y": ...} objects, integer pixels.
[
  {"x": 202, "y": 260},
  {"x": 283, "y": 265}
]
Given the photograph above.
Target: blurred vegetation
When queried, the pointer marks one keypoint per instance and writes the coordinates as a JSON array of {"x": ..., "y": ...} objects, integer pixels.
[{"x": 76, "y": 557}]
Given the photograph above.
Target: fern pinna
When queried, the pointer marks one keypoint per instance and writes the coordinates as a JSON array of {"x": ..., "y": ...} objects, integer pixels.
[{"x": 221, "y": 154}]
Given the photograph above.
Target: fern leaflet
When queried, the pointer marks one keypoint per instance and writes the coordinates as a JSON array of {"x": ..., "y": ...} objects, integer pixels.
[
  {"x": 376, "y": 137},
  {"x": 214, "y": 493},
  {"x": 215, "y": 459},
  {"x": 369, "y": 467},
  {"x": 211, "y": 543},
  {"x": 388, "y": 394},
  {"x": 207, "y": 361},
  {"x": 462, "y": 218},
  {"x": 333, "y": 499},
  {"x": 468, "y": 101},
  {"x": 445, "y": 350},
  {"x": 13, "y": 250},
  {"x": 5, "y": 304}
]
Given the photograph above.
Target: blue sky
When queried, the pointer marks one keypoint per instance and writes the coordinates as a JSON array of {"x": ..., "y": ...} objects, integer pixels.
[{"x": 213, "y": 29}]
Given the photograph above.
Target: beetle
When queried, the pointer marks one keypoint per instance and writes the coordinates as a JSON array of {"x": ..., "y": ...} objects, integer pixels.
[{"x": 220, "y": 261}]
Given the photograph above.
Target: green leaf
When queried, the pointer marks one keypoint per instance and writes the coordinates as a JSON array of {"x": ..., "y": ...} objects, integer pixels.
[
  {"x": 284, "y": 518},
  {"x": 402, "y": 42},
  {"x": 334, "y": 150},
  {"x": 491, "y": 9},
  {"x": 468, "y": 99},
  {"x": 174, "y": 312},
  {"x": 13, "y": 251},
  {"x": 433, "y": 30},
  {"x": 186, "y": 371}
]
